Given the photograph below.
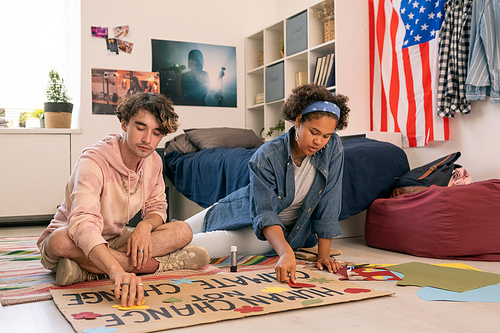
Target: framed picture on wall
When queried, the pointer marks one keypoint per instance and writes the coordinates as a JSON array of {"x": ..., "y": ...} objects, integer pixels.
[
  {"x": 196, "y": 74},
  {"x": 109, "y": 85}
]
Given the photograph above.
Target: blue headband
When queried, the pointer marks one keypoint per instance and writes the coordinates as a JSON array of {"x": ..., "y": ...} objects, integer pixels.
[{"x": 322, "y": 106}]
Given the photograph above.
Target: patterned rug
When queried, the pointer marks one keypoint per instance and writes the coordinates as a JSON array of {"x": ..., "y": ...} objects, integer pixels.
[{"x": 23, "y": 279}]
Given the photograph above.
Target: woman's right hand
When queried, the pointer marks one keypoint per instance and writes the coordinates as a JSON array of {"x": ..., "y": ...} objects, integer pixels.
[{"x": 285, "y": 268}]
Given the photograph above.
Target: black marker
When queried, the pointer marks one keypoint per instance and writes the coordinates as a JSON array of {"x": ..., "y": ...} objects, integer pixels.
[{"x": 234, "y": 261}]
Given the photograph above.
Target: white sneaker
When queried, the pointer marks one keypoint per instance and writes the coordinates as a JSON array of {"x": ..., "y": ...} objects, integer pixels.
[
  {"x": 189, "y": 257},
  {"x": 69, "y": 272}
]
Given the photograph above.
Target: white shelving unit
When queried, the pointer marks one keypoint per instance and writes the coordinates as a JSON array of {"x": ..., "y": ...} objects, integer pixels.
[{"x": 260, "y": 117}]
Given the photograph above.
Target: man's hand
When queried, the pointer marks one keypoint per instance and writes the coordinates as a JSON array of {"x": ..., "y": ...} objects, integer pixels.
[
  {"x": 139, "y": 245},
  {"x": 128, "y": 288}
]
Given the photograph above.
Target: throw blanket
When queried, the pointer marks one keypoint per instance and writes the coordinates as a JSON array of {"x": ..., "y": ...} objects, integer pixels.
[{"x": 370, "y": 169}]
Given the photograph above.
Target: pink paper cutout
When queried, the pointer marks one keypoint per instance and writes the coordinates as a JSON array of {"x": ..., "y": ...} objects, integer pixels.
[
  {"x": 248, "y": 309},
  {"x": 372, "y": 274},
  {"x": 356, "y": 290},
  {"x": 343, "y": 271},
  {"x": 86, "y": 315},
  {"x": 300, "y": 285}
]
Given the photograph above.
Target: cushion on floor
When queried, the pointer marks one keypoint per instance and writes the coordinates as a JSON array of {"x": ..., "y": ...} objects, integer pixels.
[{"x": 459, "y": 222}]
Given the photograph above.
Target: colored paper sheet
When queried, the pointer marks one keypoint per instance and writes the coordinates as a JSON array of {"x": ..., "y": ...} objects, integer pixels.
[
  {"x": 370, "y": 274},
  {"x": 458, "y": 265},
  {"x": 448, "y": 278},
  {"x": 488, "y": 294}
]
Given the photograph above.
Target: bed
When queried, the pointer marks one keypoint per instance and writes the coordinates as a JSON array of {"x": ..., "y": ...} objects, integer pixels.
[{"x": 205, "y": 165}]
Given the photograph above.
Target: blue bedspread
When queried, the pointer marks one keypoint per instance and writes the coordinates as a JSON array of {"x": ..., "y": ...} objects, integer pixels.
[{"x": 370, "y": 167}]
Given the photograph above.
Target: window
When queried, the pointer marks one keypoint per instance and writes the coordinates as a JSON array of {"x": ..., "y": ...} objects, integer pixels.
[{"x": 36, "y": 37}]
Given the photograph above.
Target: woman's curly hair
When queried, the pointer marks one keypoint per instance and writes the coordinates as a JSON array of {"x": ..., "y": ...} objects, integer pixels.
[
  {"x": 160, "y": 106},
  {"x": 307, "y": 94}
]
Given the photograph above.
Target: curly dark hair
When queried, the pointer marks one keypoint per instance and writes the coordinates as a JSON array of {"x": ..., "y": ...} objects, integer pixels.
[
  {"x": 160, "y": 106},
  {"x": 307, "y": 94}
]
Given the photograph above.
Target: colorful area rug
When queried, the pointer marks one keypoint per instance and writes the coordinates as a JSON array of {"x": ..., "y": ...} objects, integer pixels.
[{"x": 23, "y": 279}]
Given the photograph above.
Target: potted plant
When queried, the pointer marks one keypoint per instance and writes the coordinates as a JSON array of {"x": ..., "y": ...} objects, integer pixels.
[
  {"x": 58, "y": 108},
  {"x": 25, "y": 116},
  {"x": 40, "y": 114},
  {"x": 326, "y": 13},
  {"x": 278, "y": 128}
]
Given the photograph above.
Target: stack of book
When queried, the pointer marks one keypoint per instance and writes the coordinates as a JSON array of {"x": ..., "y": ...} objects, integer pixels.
[
  {"x": 300, "y": 78},
  {"x": 259, "y": 98},
  {"x": 4, "y": 122},
  {"x": 324, "y": 72}
]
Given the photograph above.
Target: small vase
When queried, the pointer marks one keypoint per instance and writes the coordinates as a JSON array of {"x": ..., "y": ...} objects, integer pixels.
[{"x": 329, "y": 30}]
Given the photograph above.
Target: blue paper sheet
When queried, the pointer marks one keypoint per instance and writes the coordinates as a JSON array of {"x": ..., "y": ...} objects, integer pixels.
[{"x": 488, "y": 294}]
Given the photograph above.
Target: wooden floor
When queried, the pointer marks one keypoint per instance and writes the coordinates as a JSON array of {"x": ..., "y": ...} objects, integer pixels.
[{"x": 403, "y": 312}]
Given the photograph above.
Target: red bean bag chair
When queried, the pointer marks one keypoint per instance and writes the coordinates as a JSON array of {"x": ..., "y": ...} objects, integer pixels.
[{"x": 458, "y": 222}]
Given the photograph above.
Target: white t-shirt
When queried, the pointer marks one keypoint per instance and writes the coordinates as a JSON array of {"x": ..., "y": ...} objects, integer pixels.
[{"x": 304, "y": 177}]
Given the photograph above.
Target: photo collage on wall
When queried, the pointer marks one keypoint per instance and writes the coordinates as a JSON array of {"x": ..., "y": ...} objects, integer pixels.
[{"x": 116, "y": 44}]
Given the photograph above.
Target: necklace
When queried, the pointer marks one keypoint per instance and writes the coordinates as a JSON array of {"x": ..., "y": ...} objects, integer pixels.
[
  {"x": 298, "y": 160},
  {"x": 136, "y": 186}
]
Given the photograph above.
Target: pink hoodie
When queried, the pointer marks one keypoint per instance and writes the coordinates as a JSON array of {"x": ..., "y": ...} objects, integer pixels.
[{"x": 96, "y": 206}]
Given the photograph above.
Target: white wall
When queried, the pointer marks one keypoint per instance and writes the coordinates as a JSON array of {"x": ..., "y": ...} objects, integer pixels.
[{"x": 220, "y": 22}]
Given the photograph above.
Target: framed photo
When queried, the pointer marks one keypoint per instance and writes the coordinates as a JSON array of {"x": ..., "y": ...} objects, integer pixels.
[
  {"x": 196, "y": 74},
  {"x": 109, "y": 85}
]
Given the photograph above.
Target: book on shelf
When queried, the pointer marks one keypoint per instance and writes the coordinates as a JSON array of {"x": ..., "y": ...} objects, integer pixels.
[
  {"x": 259, "y": 98},
  {"x": 300, "y": 78},
  {"x": 316, "y": 69},
  {"x": 330, "y": 80},
  {"x": 324, "y": 72},
  {"x": 325, "y": 69}
]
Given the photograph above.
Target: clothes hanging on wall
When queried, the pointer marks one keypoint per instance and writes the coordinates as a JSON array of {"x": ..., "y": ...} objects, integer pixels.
[
  {"x": 483, "y": 78},
  {"x": 454, "y": 40}
]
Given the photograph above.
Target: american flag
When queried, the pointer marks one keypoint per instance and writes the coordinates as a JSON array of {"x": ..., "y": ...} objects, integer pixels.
[{"x": 404, "y": 69}]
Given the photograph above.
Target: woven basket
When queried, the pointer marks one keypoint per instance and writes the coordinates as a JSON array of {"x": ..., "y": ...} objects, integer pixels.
[
  {"x": 329, "y": 28},
  {"x": 57, "y": 120},
  {"x": 58, "y": 115}
]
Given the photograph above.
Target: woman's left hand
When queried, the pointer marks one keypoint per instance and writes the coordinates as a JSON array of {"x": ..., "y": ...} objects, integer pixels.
[{"x": 331, "y": 264}]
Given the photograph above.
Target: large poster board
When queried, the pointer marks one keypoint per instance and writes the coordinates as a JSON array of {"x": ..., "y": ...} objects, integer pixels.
[{"x": 203, "y": 299}]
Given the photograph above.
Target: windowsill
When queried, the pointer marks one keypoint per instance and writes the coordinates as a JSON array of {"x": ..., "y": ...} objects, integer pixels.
[{"x": 40, "y": 130}]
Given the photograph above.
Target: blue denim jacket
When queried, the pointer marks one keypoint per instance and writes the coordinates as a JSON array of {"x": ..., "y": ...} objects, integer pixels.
[{"x": 272, "y": 189}]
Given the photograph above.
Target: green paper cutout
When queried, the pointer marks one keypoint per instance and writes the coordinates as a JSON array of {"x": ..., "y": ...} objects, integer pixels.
[
  {"x": 312, "y": 301},
  {"x": 448, "y": 278},
  {"x": 172, "y": 300},
  {"x": 319, "y": 280}
]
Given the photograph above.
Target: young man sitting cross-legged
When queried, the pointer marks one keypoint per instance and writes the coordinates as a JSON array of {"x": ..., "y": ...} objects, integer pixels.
[{"x": 112, "y": 180}]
